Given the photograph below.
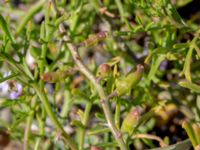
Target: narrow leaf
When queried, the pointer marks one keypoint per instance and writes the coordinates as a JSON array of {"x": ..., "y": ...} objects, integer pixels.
[
  {"x": 191, "y": 86},
  {"x": 184, "y": 145},
  {"x": 8, "y": 77},
  {"x": 186, "y": 68},
  {"x": 5, "y": 28},
  {"x": 154, "y": 66}
]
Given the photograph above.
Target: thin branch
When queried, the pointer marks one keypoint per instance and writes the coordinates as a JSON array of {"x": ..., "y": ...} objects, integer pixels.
[
  {"x": 104, "y": 98},
  {"x": 149, "y": 136}
]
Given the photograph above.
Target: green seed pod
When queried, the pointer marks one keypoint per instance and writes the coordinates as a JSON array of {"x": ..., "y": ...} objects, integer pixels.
[
  {"x": 130, "y": 121},
  {"x": 52, "y": 77},
  {"x": 125, "y": 84}
]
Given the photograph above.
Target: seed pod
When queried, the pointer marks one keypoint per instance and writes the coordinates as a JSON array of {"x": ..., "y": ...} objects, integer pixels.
[
  {"x": 125, "y": 84},
  {"x": 52, "y": 77},
  {"x": 130, "y": 121},
  {"x": 94, "y": 39}
]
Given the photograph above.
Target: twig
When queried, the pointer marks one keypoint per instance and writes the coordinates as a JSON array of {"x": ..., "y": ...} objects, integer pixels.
[
  {"x": 149, "y": 136},
  {"x": 104, "y": 98}
]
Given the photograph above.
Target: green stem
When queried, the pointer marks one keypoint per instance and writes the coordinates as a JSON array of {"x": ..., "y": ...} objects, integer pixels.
[
  {"x": 42, "y": 130},
  {"x": 104, "y": 98},
  {"x": 85, "y": 121},
  {"x": 67, "y": 104},
  {"x": 52, "y": 116},
  {"x": 28, "y": 125}
]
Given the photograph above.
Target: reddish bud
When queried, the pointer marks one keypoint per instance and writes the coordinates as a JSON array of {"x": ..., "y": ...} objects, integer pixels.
[
  {"x": 130, "y": 121},
  {"x": 104, "y": 70}
]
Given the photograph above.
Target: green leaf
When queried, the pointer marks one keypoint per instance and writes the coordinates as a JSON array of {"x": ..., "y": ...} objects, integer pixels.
[
  {"x": 154, "y": 67},
  {"x": 4, "y": 26},
  {"x": 78, "y": 124},
  {"x": 186, "y": 68},
  {"x": 32, "y": 11},
  {"x": 8, "y": 77},
  {"x": 184, "y": 145},
  {"x": 180, "y": 45},
  {"x": 176, "y": 16},
  {"x": 9, "y": 103},
  {"x": 191, "y": 86},
  {"x": 98, "y": 130}
]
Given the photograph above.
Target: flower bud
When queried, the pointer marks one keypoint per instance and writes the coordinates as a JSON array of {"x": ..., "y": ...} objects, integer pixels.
[
  {"x": 130, "y": 121},
  {"x": 125, "y": 84},
  {"x": 52, "y": 77},
  {"x": 94, "y": 39}
]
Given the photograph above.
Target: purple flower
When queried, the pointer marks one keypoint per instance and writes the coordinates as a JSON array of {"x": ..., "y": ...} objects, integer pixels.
[
  {"x": 163, "y": 65},
  {"x": 17, "y": 93},
  {"x": 10, "y": 88}
]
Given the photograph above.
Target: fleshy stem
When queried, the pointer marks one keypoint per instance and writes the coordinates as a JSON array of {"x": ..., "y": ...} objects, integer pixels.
[
  {"x": 43, "y": 97},
  {"x": 104, "y": 99}
]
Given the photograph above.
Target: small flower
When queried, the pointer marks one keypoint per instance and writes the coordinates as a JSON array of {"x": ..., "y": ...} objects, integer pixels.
[
  {"x": 17, "y": 93},
  {"x": 10, "y": 88}
]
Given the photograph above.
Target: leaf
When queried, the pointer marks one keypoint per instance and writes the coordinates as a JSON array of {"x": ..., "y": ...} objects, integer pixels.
[
  {"x": 154, "y": 66},
  {"x": 77, "y": 124},
  {"x": 186, "y": 68},
  {"x": 9, "y": 103},
  {"x": 4, "y": 26},
  {"x": 98, "y": 130},
  {"x": 32, "y": 11},
  {"x": 191, "y": 86},
  {"x": 184, "y": 145},
  {"x": 8, "y": 77},
  {"x": 176, "y": 16},
  {"x": 180, "y": 45}
]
